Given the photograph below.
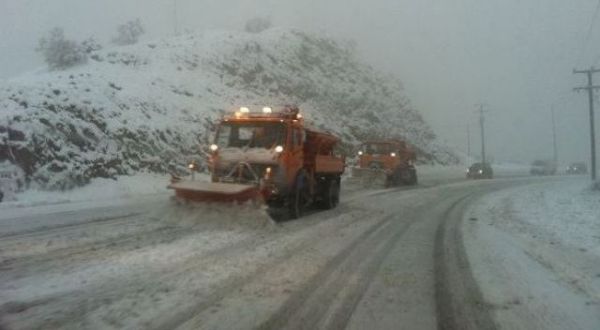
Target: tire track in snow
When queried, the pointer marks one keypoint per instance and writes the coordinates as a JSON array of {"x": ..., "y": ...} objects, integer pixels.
[
  {"x": 329, "y": 298},
  {"x": 459, "y": 301},
  {"x": 236, "y": 283},
  {"x": 71, "y": 307},
  {"x": 49, "y": 230}
]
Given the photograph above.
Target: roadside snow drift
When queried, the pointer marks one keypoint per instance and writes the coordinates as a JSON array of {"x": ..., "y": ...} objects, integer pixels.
[{"x": 536, "y": 252}]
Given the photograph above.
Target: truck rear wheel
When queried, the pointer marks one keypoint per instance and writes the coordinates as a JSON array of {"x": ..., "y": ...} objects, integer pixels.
[
  {"x": 408, "y": 176},
  {"x": 390, "y": 181},
  {"x": 331, "y": 194},
  {"x": 413, "y": 180},
  {"x": 295, "y": 206}
]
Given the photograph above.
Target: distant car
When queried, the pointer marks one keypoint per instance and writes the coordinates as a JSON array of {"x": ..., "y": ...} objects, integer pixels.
[
  {"x": 577, "y": 168},
  {"x": 543, "y": 167},
  {"x": 480, "y": 171}
]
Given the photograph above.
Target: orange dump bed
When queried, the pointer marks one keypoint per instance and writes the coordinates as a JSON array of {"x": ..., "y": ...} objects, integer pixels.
[
  {"x": 329, "y": 164},
  {"x": 318, "y": 153}
]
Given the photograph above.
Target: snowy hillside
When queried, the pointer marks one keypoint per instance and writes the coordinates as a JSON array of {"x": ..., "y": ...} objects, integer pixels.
[{"x": 150, "y": 106}]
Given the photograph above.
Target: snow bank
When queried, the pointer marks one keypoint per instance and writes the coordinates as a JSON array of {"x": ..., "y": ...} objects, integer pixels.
[
  {"x": 535, "y": 251},
  {"x": 566, "y": 211},
  {"x": 99, "y": 190}
]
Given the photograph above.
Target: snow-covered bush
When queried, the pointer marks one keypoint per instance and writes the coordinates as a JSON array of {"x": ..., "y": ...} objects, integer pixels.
[
  {"x": 90, "y": 45},
  {"x": 258, "y": 24},
  {"x": 60, "y": 53},
  {"x": 129, "y": 33}
]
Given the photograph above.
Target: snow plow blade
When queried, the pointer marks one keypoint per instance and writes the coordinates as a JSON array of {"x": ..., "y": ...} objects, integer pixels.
[
  {"x": 369, "y": 177},
  {"x": 198, "y": 191}
]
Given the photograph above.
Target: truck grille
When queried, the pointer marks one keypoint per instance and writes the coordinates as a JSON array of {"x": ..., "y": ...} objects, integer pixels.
[{"x": 242, "y": 174}]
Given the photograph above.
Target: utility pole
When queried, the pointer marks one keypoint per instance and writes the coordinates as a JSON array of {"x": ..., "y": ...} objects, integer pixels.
[
  {"x": 175, "y": 17},
  {"x": 468, "y": 144},
  {"x": 554, "y": 147},
  {"x": 590, "y": 89},
  {"x": 481, "y": 124}
]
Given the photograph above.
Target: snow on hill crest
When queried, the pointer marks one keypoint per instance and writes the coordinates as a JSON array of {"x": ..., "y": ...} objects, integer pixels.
[{"x": 149, "y": 106}]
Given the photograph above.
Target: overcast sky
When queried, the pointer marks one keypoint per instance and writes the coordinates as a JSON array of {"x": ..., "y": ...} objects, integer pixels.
[{"x": 515, "y": 56}]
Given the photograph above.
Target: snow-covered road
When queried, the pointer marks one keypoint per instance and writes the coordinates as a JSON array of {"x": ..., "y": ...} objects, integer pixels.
[
  {"x": 383, "y": 259},
  {"x": 535, "y": 251}
]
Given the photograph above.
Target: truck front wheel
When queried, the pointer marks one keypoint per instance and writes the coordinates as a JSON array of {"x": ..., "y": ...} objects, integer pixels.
[{"x": 296, "y": 198}]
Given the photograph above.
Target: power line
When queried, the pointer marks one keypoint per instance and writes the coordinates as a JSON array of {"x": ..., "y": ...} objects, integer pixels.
[
  {"x": 588, "y": 36},
  {"x": 175, "y": 19}
]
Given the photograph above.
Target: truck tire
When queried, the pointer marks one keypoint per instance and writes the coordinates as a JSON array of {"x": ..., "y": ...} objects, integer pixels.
[
  {"x": 296, "y": 197},
  {"x": 408, "y": 176},
  {"x": 295, "y": 207},
  {"x": 331, "y": 194},
  {"x": 389, "y": 181},
  {"x": 394, "y": 179},
  {"x": 413, "y": 177}
]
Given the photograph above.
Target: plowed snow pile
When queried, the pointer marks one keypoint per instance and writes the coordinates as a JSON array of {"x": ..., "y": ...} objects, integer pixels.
[
  {"x": 219, "y": 216},
  {"x": 536, "y": 252}
]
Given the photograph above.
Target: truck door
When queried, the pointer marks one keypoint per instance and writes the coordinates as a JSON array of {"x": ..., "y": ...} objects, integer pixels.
[{"x": 297, "y": 150}]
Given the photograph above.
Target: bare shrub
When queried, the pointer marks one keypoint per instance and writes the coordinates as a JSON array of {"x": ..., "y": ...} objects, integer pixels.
[
  {"x": 258, "y": 24},
  {"x": 129, "y": 32},
  {"x": 90, "y": 45},
  {"x": 58, "y": 52}
]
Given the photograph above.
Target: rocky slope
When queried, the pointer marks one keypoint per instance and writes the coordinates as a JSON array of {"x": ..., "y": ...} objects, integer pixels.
[{"x": 149, "y": 107}]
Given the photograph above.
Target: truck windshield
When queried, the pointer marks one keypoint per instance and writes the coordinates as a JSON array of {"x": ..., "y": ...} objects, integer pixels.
[
  {"x": 250, "y": 135},
  {"x": 378, "y": 149}
]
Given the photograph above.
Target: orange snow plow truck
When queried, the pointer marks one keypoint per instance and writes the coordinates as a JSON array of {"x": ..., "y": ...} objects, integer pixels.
[
  {"x": 387, "y": 161},
  {"x": 269, "y": 155}
]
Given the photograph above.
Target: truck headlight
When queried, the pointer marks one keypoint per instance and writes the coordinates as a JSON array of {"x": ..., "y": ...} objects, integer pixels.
[
  {"x": 393, "y": 154},
  {"x": 279, "y": 149},
  {"x": 214, "y": 147},
  {"x": 360, "y": 153}
]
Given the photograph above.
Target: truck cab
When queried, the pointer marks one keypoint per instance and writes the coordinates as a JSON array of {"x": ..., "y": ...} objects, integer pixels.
[
  {"x": 393, "y": 158},
  {"x": 274, "y": 151}
]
